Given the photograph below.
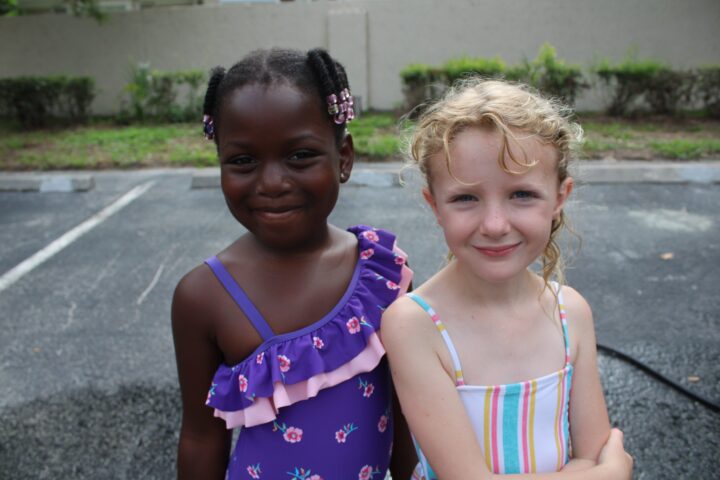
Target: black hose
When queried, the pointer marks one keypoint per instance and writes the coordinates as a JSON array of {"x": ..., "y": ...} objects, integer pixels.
[{"x": 657, "y": 375}]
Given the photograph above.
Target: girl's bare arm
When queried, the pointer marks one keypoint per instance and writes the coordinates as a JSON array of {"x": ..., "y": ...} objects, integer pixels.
[
  {"x": 204, "y": 445},
  {"x": 435, "y": 413},
  {"x": 589, "y": 423}
]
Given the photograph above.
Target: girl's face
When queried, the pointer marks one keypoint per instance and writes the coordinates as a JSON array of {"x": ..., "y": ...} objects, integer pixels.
[
  {"x": 495, "y": 223},
  {"x": 281, "y": 167}
]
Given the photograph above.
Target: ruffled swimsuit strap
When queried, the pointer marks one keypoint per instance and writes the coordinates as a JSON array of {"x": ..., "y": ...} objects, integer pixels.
[
  {"x": 240, "y": 297},
  {"x": 563, "y": 321},
  {"x": 445, "y": 336}
]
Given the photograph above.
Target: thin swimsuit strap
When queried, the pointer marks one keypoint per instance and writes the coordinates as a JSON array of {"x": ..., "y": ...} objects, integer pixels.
[
  {"x": 240, "y": 297},
  {"x": 459, "y": 381},
  {"x": 445, "y": 335}
]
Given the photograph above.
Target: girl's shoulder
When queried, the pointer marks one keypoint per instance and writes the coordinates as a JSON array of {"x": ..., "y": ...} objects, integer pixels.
[
  {"x": 194, "y": 293},
  {"x": 576, "y": 307},
  {"x": 409, "y": 323},
  {"x": 581, "y": 328}
]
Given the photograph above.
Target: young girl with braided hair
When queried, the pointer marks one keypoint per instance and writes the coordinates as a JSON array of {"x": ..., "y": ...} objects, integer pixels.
[
  {"x": 495, "y": 365},
  {"x": 278, "y": 333}
]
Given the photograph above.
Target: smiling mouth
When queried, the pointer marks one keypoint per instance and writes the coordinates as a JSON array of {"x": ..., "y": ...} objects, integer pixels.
[
  {"x": 499, "y": 251},
  {"x": 276, "y": 213}
]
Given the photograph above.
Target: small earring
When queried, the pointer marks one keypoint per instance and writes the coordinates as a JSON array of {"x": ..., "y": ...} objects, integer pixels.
[{"x": 343, "y": 176}]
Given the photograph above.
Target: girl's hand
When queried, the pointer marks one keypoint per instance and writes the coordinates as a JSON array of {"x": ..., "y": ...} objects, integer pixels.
[{"x": 614, "y": 458}]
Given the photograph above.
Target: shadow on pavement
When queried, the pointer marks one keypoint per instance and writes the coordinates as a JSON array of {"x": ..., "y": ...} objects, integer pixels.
[{"x": 131, "y": 433}]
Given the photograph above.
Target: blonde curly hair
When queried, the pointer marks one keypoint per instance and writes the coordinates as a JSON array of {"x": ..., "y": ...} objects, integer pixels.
[{"x": 508, "y": 108}]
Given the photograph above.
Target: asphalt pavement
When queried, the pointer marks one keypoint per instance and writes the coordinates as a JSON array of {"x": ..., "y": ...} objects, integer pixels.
[{"x": 88, "y": 263}]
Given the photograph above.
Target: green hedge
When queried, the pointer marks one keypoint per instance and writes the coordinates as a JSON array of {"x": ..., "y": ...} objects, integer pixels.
[
  {"x": 634, "y": 86},
  {"x": 706, "y": 89},
  {"x": 644, "y": 85},
  {"x": 546, "y": 72},
  {"x": 36, "y": 101},
  {"x": 153, "y": 94}
]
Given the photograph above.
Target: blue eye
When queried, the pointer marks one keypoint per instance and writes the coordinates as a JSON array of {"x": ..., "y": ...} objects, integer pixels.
[
  {"x": 524, "y": 195},
  {"x": 463, "y": 198}
]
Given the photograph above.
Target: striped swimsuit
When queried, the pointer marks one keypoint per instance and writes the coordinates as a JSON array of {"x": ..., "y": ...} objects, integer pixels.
[{"x": 522, "y": 427}]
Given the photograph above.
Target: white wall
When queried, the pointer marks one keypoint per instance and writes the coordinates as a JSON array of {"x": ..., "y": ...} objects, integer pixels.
[{"x": 375, "y": 39}]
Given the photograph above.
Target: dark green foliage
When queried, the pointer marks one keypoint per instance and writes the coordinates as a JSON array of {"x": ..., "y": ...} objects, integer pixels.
[
  {"x": 554, "y": 77},
  {"x": 458, "y": 68},
  {"x": 9, "y": 8},
  {"x": 546, "y": 72},
  {"x": 669, "y": 89},
  {"x": 707, "y": 89},
  {"x": 421, "y": 83},
  {"x": 35, "y": 101},
  {"x": 153, "y": 94},
  {"x": 638, "y": 85},
  {"x": 76, "y": 97}
]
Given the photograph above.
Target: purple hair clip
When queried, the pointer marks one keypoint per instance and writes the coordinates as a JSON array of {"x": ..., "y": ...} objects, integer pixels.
[
  {"x": 208, "y": 127},
  {"x": 343, "y": 111}
]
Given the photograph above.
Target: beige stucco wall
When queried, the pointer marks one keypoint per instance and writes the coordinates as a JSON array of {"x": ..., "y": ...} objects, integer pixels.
[{"x": 374, "y": 38}]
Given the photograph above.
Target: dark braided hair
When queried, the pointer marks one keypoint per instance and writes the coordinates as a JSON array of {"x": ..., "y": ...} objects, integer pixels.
[{"x": 315, "y": 73}]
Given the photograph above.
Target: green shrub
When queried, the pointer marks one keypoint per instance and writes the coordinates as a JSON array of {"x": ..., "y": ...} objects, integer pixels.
[
  {"x": 421, "y": 83},
  {"x": 76, "y": 98},
  {"x": 36, "y": 101},
  {"x": 707, "y": 89},
  {"x": 668, "y": 90},
  {"x": 554, "y": 77},
  {"x": 636, "y": 84},
  {"x": 457, "y": 68},
  {"x": 152, "y": 94}
]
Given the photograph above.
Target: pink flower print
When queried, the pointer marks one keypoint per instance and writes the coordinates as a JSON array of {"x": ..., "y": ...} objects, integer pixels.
[
  {"x": 353, "y": 325},
  {"x": 371, "y": 235},
  {"x": 293, "y": 435},
  {"x": 302, "y": 474},
  {"x": 242, "y": 383},
  {"x": 318, "y": 343},
  {"x": 365, "y": 254},
  {"x": 367, "y": 388},
  {"x": 382, "y": 424},
  {"x": 399, "y": 259},
  {"x": 284, "y": 363},
  {"x": 290, "y": 434},
  {"x": 367, "y": 472},
  {"x": 342, "y": 434},
  {"x": 254, "y": 471},
  {"x": 259, "y": 358},
  {"x": 392, "y": 285}
]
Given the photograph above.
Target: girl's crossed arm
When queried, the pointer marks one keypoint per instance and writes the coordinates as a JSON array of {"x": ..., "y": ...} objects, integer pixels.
[
  {"x": 436, "y": 414},
  {"x": 589, "y": 423}
]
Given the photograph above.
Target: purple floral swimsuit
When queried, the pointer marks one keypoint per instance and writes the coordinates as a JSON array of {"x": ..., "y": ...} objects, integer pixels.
[{"x": 315, "y": 404}]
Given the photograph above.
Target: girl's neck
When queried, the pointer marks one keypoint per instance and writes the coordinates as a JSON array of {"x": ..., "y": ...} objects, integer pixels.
[
  {"x": 508, "y": 292},
  {"x": 323, "y": 241}
]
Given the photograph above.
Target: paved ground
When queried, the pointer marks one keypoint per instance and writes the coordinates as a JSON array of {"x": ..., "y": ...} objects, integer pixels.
[{"x": 87, "y": 376}]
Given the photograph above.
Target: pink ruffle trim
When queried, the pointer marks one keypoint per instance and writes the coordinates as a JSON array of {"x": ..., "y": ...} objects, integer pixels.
[
  {"x": 265, "y": 410},
  {"x": 406, "y": 274}
]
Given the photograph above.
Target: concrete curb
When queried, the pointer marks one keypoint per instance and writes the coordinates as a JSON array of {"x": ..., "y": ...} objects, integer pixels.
[
  {"x": 388, "y": 175},
  {"x": 46, "y": 182},
  {"x": 595, "y": 172},
  {"x": 643, "y": 172}
]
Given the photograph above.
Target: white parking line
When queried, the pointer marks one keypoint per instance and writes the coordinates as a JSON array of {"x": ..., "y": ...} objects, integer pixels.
[{"x": 27, "y": 265}]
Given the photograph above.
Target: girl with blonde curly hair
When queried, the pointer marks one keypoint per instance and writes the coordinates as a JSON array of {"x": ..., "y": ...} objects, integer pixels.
[{"x": 495, "y": 364}]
